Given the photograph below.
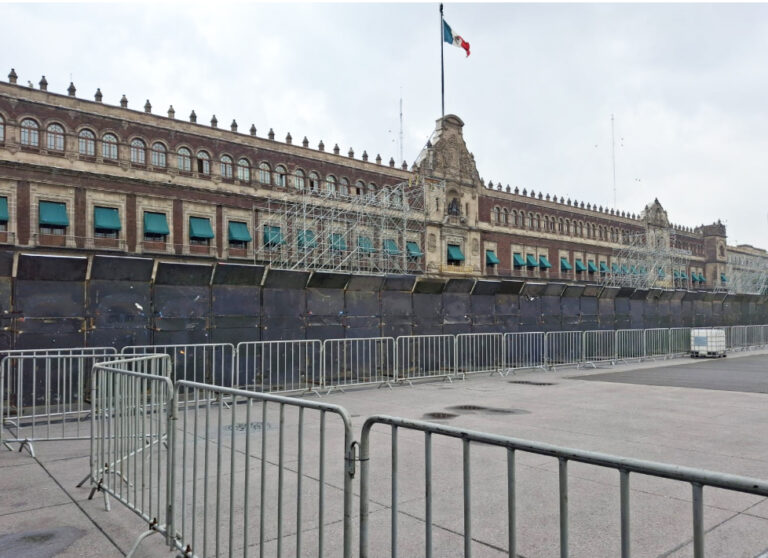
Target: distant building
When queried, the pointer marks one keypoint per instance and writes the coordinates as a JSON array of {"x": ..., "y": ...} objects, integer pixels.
[{"x": 81, "y": 176}]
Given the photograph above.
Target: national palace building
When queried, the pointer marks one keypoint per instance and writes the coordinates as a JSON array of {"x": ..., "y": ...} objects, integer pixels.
[{"x": 80, "y": 176}]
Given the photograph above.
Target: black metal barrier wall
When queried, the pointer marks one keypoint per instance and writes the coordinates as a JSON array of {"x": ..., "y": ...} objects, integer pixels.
[{"x": 48, "y": 301}]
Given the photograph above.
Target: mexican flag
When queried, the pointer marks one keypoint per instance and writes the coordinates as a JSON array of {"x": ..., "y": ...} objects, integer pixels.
[{"x": 453, "y": 39}]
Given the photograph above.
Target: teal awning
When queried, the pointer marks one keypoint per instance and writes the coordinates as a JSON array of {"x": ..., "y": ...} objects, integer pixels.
[
  {"x": 106, "y": 219},
  {"x": 155, "y": 223},
  {"x": 676, "y": 274},
  {"x": 580, "y": 266},
  {"x": 454, "y": 253},
  {"x": 518, "y": 260},
  {"x": 365, "y": 245},
  {"x": 200, "y": 227},
  {"x": 694, "y": 277},
  {"x": 624, "y": 270},
  {"x": 723, "y": 278},
  {"x": 544, "y": 262},
  {"x": 53, "y": 214},
  {"x": 530, "y": 261},
  {"x": 390, "y": 247},
  {"x": 565, "y": 265},
  {"x": 4, "y": 210},
  {"x": 273, "y": 236},
  {"x": 603, "y": 267},
  {"x": 490, "y": 258},
  {"x": 683, "y": 275},
  {"x": 591, "y": 266},
  {"x": 413, "y": 250},
  {"x": 661, "y": 273},
  {"x": 306, "y": 240},
  {"x": 702, "y": 279},
  {"x": 633, "y": 270},
  {"x": 338, "y": 242},
  {"x": 238, "y": 231},
  {"x": 615, "y": 268}
]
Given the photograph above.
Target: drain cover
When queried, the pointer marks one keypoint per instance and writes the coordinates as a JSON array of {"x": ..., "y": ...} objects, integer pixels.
[
  {"x": 499, "y": 411},
  {"x": 439, "y": 416},
  {"x": 467, "y": 408},
  {"x": 530, "y": 383},
  {"x": 255, "y": 426}
]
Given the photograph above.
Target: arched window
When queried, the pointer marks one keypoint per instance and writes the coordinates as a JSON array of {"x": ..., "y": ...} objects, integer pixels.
[
  {"x": 226, "y": 166},
  {"x": 86, "y": 143},
  {"x": 504, "y": 216},
  {"x": 30, "y": 133},
  {"x": 371, "y": 190},
  {"x": 2, "y": 129},
  {"x": 280, "y": 173},
  {"x": 545, "y": 219},
  {"x": 384, "y": 195},
  {"x": 330, "y": 184},
  {"x": 243, "y": 170},
  {"x": 528, "y": 220},
  {"x": 537, "y": 222},
  {"x": 396, "y": 197},
  {"x": 184, "y": 158},
  {"x": 54, "y": 138},
  {"x": 265, "y": 173},
  {"x": 359, "y": 189},
  {"x": 495, "y": 215},
  {"x": 138, "y": 152},
  {"x": 298, "y": 179},
  {"x": 343, "y": 186},
  {"x": 314, "y": 182},
  {"x": 560, "y": 226},
  {"x": 203, "y": 163},
  {"x": 159, "y": 156},
  {"x": 109, "y": 147},
  {"x": 515, "y": 218}
]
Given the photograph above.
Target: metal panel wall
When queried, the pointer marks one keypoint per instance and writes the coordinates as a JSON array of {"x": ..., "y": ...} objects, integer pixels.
[
  {"x": 397, "y": 306},
  {"x": 284, "y": 305},
  {"x": 181, "y": 303},
  {"x": 457, "y": 306},
  {"x": 236, "y": 303}
]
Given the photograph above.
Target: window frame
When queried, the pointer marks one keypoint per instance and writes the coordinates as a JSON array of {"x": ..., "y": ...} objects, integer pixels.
[
  {"x": 138, "y": 154},
  {"x": 29, "y": 135},
  {"x": 55, "y": 137},
  {"x": 108, "y": 147},
  {"x": 227, "y": 167},
  {"x": 265, "y": 173},
  {"x": 244, "y": 170},
  {"x": 203, "y": 159},
  {"x": 84, "y": 143},
  {"x": 159, "y": 157},
  {"x": 184, "y": 160}
]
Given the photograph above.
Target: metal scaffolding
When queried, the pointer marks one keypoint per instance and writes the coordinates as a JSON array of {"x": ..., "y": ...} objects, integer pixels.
[
  {"x": 322, "y": 228},
  {"x": 749, "y": 277},
  {"x": 643, "y": 265}
]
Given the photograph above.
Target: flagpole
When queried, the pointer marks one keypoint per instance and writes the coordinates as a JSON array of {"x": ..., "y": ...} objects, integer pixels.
[{"x": 442, "y": 65}]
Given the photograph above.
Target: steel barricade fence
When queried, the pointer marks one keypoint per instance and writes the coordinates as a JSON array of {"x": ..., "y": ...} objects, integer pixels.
[
  {"x": 656, "y": 342},
  {"x": 211, "y": 363},
  {"x": 425, "y": 356},
  {"x": 479, "y": 352},
  {"x": 358, "y": 361},
  {"x": 253, "y": 475},
  {"x": 679, "y": 341},
  {"x": 45, "y": 394},
  {"x": 132, "y": 431},
  {"x": 563, "y": 348},
  {"x": 280, "y": 366},
  {"x": 599, "y": 346},
  {"x": 754, "y": 336},
  {"x": 523, "y": 350},
  {"x": 738, "y": 337},
  {"x": 630, "y": 344},
  {"x": 506, "y": 496}
]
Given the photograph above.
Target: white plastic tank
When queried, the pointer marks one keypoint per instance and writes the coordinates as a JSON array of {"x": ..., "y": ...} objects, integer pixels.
[{"x": 709, "y": 342}]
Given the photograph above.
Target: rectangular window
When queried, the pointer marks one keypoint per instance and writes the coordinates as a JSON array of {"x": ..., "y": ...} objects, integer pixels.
[
  {"x": 200, "y": 231},
  {"x": 106, "y": 222},
  {"x": 53, "y": 218},
  {"x": 155, "y": 227},
  {"x": 239, "y": 236},
  {"x": 455, "y": 256},
  {"x": 273, "y": 237}
]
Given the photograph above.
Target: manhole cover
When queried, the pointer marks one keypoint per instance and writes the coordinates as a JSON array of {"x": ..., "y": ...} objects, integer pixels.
[
  {"x": 499, "y": 411},
  {"x": 467, "y": 408},
  {"x": 255, "y": 426},
  {"x": 530, "y": 383},
  {"x": 439, "y": 416}
]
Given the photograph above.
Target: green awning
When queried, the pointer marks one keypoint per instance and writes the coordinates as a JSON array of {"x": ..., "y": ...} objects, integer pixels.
[
  {"x": 615, "y": 268},
  {"x": 591, "y": 266},
  {"x": 676, "y": 274},
  {"x": 633, "y": 270},
  {"x": 490, "y": 258},
  {"x": 53, "y": 214},
  {"x": 518, "y": 260},
  {"x": 624, "y": 270},
  {"x": 238, "y": 231},
  {"x": 683, "y": 275},
  {"x": 544, "y": 262},
  {"x": 694, "y": 277},
  {"x": 273, "y": 236},
  {"x": 454, "y": 253},
  {"x": 390, "y": 247},
  {"x": 580, "y": 266},
  {"x": 306, "y": 240},
  {"x": 565, "y": 265},
  {"x": 155, "y": 223},
  {"x": 106, "y": 219},
  {"x": 723, "y": 278},
  {"x": 3, "y": 210},
  {"x": 200, "y": 227},
  {"x": 530, "y": 261},
  {"x": 365, "y": 245},
  {"x": 338, "y": 242},
  {"x": 603, "y": 267},
  {"x": 702, "y": 279},
  {"x": 413, "y": 250},
  {"x": 661, "y": 273}
]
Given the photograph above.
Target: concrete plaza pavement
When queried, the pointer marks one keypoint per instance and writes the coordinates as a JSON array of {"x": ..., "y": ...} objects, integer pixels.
[{"x": 710, "y": 414}]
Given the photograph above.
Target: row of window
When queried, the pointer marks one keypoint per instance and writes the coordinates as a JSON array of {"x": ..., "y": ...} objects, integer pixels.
[{"x": 157, "y": 155}]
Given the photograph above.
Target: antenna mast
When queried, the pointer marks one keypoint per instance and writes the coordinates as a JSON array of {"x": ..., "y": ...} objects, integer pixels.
[
  {"x": 401, "y": 124},
  {"x": 613, "y": 158}
]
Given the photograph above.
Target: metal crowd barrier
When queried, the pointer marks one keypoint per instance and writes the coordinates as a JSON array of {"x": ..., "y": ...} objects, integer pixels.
[
  {"x": 212, "y": 363},
  {"x": 425, "y": 356},
  {"x": 479, "y": 352},
  {"x": 133, "y": 414},
  {"x": 697, "y": 478},
  {"x": 679, "y": 341},
  {"x": 563, "y": 348},
  {"x": 284, "y": 366},
  {"x": 358, "y": 361},
  {"x": 599, "y": 346},
  {"x": 656, "y": 342},
  {"x": 523, "y": 350},
  {"x": 630, "y": 344},
  {"x": 45, "y": 394}
]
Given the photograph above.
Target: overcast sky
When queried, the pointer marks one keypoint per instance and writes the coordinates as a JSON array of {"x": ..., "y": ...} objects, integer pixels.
[{"x": 686, "y": 83}]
